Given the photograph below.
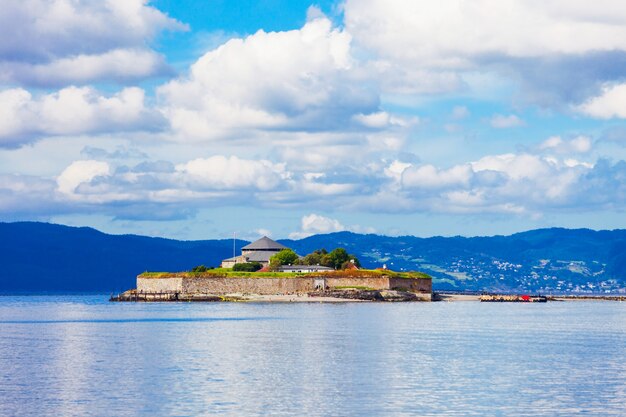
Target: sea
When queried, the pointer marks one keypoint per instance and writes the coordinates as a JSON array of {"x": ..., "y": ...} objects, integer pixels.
[{"x": 85, "y": 356}]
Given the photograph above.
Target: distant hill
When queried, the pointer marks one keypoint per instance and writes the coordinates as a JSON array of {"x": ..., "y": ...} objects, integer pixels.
[
  {"x": 545, "y": 260},
  {"x": 42, "y": 257}
]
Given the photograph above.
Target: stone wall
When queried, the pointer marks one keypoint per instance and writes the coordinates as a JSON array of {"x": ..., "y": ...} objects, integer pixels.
[
  {"x": 269, "y": 286},
  {"x": 377, "y": 283},
  {"x": 263, "y": 286},
  {"x": 420, "y": 285},
  {"x": 160, "y": 284}
]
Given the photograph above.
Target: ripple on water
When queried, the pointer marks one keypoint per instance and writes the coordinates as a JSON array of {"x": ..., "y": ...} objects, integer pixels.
[{"x": 85, "y": 356}]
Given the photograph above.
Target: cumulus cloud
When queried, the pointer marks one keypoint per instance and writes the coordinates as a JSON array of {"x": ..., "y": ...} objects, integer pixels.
[
  {"x": 579, "y": 144},
  {"x": 80, "y": 172},
  {"x": 52, "y": 42},
  {"x": 508, "y": 183},
  {"x": 123, "y": 65},
  {"x": 222, "y": 173},
  {"x": 609, "y": 104},
  {"x": 429, "y": 177},
  {"x": 230, "y": 179},
  {"x": 447, "y": 39},
  {"x": 519, "y": 184},
  {"x": 299, "y": 80},
  {"x": 313, "y": 224},
  {"x": 559, "y": 26},
  {"x": 72, "y": 110}
]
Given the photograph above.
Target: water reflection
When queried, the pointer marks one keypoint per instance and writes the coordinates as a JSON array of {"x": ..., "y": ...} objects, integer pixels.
[{"x": 85, "y": 356}]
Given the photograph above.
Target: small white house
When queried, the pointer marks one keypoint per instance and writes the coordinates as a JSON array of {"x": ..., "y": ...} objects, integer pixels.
[{"x": 304, "y": 268}]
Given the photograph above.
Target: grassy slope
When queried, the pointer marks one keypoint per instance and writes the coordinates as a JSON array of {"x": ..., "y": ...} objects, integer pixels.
[{"x": 229, "y": 273}]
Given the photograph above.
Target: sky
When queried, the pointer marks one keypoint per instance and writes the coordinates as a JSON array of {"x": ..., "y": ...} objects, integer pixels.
[{"x": 195, "y": 119}]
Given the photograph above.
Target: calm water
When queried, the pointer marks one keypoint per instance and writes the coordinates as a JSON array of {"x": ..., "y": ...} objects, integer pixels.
[{"x": 85, "y": 356}]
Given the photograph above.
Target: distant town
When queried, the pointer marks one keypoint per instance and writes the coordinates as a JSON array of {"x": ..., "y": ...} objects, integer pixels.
[{"x": 484, "y": 272}]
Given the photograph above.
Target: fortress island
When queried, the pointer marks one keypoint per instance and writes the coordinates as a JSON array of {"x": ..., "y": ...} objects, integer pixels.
[{"x": 269, "y": 271}]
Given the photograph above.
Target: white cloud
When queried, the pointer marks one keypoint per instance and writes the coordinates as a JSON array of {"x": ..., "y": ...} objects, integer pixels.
[
  {"x": 51, "y": 42},
  {"x": 579, "y": 144},
  {"x": 315, "y": 224},
  {"x": 427, "y": 176},
  {"x": 520, "y": 184},
  {"x": 264, "y": 232},
  {"x": 435, "y": 46},
  {"x": 500, "y": 121},
  {"x": 321, "y": 224},
  {"x": 222, "y": 173},
  {"x": 118, "y": 64},
  {"x": 395, "y": 169},
  {"x": 300, "y": 80},
  {"x": 448, "y": 33},
  {"x": 611, "y": 103},
  {"x": 374, "y": 120},
  {"x": 71, "y": 110},
  {"x": 80, "y": 172},
  {"x": 516, "y": 167},
  {"x": 218, "y": 179}
]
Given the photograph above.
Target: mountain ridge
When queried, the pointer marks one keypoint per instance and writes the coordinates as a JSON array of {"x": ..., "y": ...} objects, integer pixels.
[{"x": 48, "y": 257}]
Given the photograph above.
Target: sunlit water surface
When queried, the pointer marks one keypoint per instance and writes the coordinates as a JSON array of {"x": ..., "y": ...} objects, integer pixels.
[{"x": 81, "y": 355}]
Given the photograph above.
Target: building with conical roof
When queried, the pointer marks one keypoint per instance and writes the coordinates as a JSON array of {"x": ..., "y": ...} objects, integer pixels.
[
  {"x": 265, "y": 244},
  {"x": 259, "y": 251}
]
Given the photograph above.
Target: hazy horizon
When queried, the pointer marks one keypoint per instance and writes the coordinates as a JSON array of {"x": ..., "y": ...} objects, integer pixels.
[{"x": 257, "y": 236}]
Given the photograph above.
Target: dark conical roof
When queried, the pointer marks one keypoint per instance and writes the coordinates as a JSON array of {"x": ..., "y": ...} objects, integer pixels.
[{"x": 265, "y": 243}]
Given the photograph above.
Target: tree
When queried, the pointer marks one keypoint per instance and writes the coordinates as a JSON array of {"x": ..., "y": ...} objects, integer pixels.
[
  {"x": 338, "y": 257},
  {"x": 314, "y": 258},
  {"x": 284, "y": 257},
  {"x": 247, "y": 267},
  {"x": 335, "y": 259}
]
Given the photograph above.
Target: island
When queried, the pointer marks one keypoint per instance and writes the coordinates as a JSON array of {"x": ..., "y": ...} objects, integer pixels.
[{"x": 269, "y": 271}]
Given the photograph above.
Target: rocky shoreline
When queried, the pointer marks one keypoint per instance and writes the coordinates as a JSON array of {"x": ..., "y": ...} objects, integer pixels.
[{"x": 334, "y": 295}]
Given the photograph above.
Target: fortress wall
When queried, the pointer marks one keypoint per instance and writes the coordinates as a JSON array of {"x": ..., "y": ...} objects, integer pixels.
[
  {"x": 159, "y": 284},
  {"x": 377, "y": 283},
  {"x": 423, "y": 285},
  {"x": 383, "y": 283},
  {"x": 263, "y": 286},
  {"x": 269, "y": 286}
]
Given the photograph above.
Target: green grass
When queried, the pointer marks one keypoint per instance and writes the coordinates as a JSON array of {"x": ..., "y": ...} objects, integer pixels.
[{"x": 229, "y": 273}]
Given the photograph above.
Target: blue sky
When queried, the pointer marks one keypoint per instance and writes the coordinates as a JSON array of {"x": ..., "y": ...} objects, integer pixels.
[{"x": 197, "y": 119}]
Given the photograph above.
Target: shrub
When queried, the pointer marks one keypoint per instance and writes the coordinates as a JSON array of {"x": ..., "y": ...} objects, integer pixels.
[
  {"x": 247, "y": 267},
  {"x": 199, "y": 268}
]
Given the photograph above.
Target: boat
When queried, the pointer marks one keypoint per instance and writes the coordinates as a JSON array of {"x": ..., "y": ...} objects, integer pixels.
[{"x": 512, "y": 298}]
